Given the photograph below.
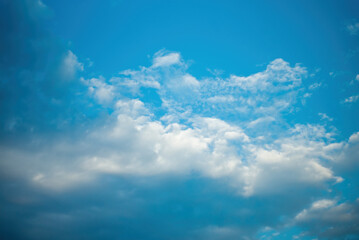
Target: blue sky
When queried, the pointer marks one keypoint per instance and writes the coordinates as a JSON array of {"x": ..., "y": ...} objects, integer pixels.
[{"x": 179, "y": 119}]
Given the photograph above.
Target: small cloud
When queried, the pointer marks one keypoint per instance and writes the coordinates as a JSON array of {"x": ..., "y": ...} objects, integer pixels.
[
  {"x": 324, "y": 116},
  {"x": 133, "y": 108},
  {"x": 356, "y": 79},
  {"x": 351, "y": 99},
  {"x": 261, "y": 121},
  {"x": 353, "y": 29},
  {"x": 305, "y": 96},
  {"x": 100, "y": 90},
  {"x": 272, "y": 79},
  {"x": 71, "y": 65},
  {"x": 324, "y": 203},
  {"x": 314, "y": 86},
  {"x": 165, "y": 59}
]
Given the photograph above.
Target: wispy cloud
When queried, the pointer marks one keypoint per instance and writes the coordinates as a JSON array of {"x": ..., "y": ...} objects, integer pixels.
[
  {"x": 165, "y": 59},
  {"x": 353, "y": 29},
  {"x": 324, "y": 116},
  {"x": 351, "y": 99}
]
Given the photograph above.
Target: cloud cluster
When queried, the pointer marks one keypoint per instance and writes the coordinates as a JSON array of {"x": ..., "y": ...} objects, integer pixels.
[
  {"x": 136, "y": 141},
  {"x": 257, "y": 98},
  {"x": 330, "y": 219},
  {"x": 351, "y": 99}
]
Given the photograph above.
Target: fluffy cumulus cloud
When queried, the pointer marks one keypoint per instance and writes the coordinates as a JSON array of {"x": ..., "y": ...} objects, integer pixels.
[
  {"x": 158, "y": 146},
  {"x": 133, "y": 143},
  {"x": 99, "y": 89}
]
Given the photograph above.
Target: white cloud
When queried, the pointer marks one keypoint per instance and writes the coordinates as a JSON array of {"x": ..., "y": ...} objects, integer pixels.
[
  {"x": 354, "y": 138},
  {"x": 134, "y": 144},
  {"x": 289, "y": 161},
  {"x": 356, "y": 79},
  {"x": 253, "y": 94},
  {"x": 190, "y": 80},
  {"x": 348, "y": 153},
  {"x": 324, "y": 203},
  {"x": 134, "y": 141},
  {"x": 351, "y": 99},
  {"x": 132, "y": 108},
  {"x": 165, "y": 59},
  {"x": 70, "y": 65},
  {"x": 278, "y": 76},
  {"x": 260, "y": 121},
  {"x": 324, "y": 116},
  {"x": 316, "y": 209},
  {"x": 134, "y": 80},
  {"x": 154, "y": 148},
  {"x": 327, "y": 218},
  {"x": 314, "y": 86},
  {"x": 102, "y": 92},
  {"x": 307, "y": 95},
  {"x": 181, "y": 92}
]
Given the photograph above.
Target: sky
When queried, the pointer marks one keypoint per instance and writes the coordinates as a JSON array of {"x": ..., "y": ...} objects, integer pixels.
[{"x": 181, "y": 120}]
